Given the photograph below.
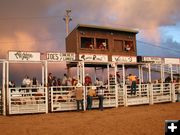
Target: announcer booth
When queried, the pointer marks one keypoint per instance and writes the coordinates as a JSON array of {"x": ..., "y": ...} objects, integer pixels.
[
  {"x": 28, "y": 97},
  {"x": 103, "y": 69},
  {"x": 61, "y": 97},
  {"x": 122, "y": 65},
  {"x": 3, "y": 64}
]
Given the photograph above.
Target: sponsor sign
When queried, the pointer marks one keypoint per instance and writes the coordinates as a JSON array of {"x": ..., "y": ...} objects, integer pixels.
[
  {"x": 124, "y": 59},
  {"x": 156, "y": 60},
  {"x": 137, "y": 101},
  {"x": 93, "y": 57},
  {"x": 171, "y": 61},
  {"x": 60, "y": 56},
  {"x": 24, "y": 56}
]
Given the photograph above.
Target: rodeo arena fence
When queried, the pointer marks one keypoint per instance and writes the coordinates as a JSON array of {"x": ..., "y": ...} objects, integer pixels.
[{"x": 44, "y": 98}]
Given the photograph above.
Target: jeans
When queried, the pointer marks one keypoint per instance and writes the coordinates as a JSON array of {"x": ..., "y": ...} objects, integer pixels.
[
  {"x": 89, "y": 102},
  {"x": 101, "y": 98},
  {"x": 133, "y": 88},
  {"x": 80, "y": 102}
]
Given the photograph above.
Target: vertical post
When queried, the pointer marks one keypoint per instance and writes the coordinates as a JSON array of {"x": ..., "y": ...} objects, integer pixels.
[
  {"x": 4, "y": 88},
  {"x": 83, "y": 82},
  {"x": 171, "y": 72},
  {"x": 124, "y": 86},
  {"x": 116, "y": 85},
  {"x": 162, "y": 72},
  {"x": 52, "y": 102},
  {"x": 83, "y": 73},
  {"x": 84, "y": 95},
  {"x": 140, "y": 76},
  {"x": 67, "y": 19},
  {"x": 43, "y": 72},
  {"x": 150, "y": 85},
  {"x": 45, "y": 86},
  {"x": 149, "y": 75},
  {"x": 108, "y": 74},
  {"x": 95, "y": 76},
  {"x": 7, "y": 87},
  {"x": 151, "y": 93},
  {"x": 77, "y": 72}
]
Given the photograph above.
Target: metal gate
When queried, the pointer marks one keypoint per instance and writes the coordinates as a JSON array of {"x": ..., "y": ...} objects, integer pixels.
[
  {"x": 23, "y": 100},
  {"x": 121, "y": 95},
  {"x": 176, "y": 92},
  {"x": 63, "y": 98},
  {"x": 141, "y": 96},
  {"x": 109, "y": 97},
  {"x": 160, "y": 92}
]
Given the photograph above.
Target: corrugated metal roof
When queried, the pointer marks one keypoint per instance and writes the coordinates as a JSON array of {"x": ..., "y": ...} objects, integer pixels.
[{"x": 107, "y": 28}]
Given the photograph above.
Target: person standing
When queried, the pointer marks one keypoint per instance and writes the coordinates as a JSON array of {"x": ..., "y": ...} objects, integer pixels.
[
  {"x": 88, "y": 80},
  {"x": 50, "y": 78},
  {"x": 90, "y": 95},
  {"x": 79, "y": 96},
  {"x": 100, "y": 92},
  {"x": 133, "y": 79}
]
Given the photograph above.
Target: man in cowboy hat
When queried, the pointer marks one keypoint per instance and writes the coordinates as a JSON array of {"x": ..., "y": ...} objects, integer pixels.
[
  {"x": 91, "y": 93},
  {"x": 100, "y": 93},
  {"x": 79, "y": 96}
]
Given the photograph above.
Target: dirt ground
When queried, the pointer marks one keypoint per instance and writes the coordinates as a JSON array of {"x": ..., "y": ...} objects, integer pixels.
[{"x": 134, "y": 120}]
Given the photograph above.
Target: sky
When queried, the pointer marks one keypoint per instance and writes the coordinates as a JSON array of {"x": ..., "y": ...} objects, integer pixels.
[{"x": 38, "y": 25}]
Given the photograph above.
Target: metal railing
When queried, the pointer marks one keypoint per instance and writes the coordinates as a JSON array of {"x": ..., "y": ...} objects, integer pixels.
[
  {"x": 62, "y": 98},
  {"x": 161, "y": 92},
  {"x": 23, "y": 100},
  {"x": 141, "y": 97}
]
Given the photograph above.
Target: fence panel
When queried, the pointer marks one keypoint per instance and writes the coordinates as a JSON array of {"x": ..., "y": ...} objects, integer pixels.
[
  {"x": 24, "y": 100},
  {"x": 121, "y": 95},
  {"x": 161, "y": 92},
  {"x": 63, "y": 98},
  {"x": 109, "y": 97},
  {"x": 176, "y": 91},
  {"x": 141, "y": 96}
]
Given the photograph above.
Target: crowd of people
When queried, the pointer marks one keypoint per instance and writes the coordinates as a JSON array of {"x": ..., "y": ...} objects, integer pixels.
[{"x": 65, "y": 81}]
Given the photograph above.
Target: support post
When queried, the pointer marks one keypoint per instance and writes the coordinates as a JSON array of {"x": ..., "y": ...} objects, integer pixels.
[
  {"x": 116, "y": 85},
  {"x": 4, "y": 88}
]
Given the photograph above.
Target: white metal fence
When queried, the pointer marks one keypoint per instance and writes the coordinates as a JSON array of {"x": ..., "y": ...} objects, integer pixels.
[
  {"x": 109, "y": 96},
  {"x": 62, "y": 98},
  {"x": 176, "y": 92},
  {"x": 161, "y": 92},
  {"x": 121, "y": 95},
  {"x": 141, "y": 96},
  {"x": 23, "y": 100}
]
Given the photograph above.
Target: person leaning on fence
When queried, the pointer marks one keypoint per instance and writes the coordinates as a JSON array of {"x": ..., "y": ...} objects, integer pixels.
[
  {"x": 90, "y": 95},
  {"x": 133, "y": 79},
  {"x": 100, "y": 93},
  {"x": 79, "y": 96}
]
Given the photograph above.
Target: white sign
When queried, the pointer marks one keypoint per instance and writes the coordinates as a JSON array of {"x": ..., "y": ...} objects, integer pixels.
[
  {"x": 24, "y": 56},
  {"x": 124, "y": 59},
  {"x": 93, "y": 57},
  {"x": 137, "y": 101},
  {"x": 60, "y": 56},
  {"x": 171, "y": 61},
  {"x": 156, "y": 60}
]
